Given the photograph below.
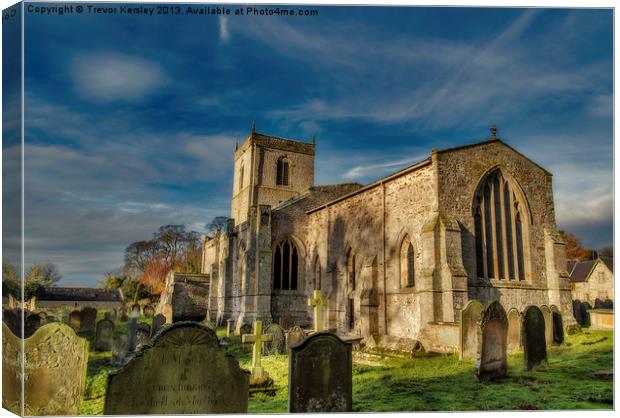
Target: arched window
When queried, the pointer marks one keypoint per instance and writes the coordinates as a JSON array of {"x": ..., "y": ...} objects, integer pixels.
[
  {"x": 285, "y": 266},
  {"x": 282, "y": 172},
  {"x": 351, "y": 269},
  {"x": 407, "y": 263},
  {"x": 499, "y": 215},
  {"x": 241, "y": 177}
]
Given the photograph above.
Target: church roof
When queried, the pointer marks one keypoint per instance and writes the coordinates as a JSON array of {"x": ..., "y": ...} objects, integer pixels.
[
  {"x": 579, "y": 271},
  {"x": 79, "y": 294},
  {"x": 279, "y": 143}
]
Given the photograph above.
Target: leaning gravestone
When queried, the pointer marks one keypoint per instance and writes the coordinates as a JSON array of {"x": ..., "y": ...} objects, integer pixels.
[
  {"x": 469, "y": 334},
  {"x": 54, "y": 375},
  {"x": 277, "y": 345},
  {"x": 514, "y": 330},
  {"x": 184, "y": 371},
  {"x": 294, "y": 336},
  {"x": 320, "y": 375},
  {"x": 88, "y": 319},
  {"x": 104, "y": 335},
  {"x": 158, "y": 322},
  {"x": 546, "y": 311},
  {"x": 493, "y": 362},
  {"x": 533, "y": 338},
  {"x": 74, "y": 320}
]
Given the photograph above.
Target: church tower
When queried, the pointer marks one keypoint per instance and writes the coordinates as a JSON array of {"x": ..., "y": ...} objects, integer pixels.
[{"x": 268, "y": 171}]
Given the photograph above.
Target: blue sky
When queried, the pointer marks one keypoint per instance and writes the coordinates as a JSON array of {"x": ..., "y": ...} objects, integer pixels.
[{"x": 131, "y": 121}]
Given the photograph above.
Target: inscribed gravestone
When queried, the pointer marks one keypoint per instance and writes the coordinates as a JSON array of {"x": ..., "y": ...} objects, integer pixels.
[
  {"x": 558, "y": 326},
  {"x": 320, "y": 375},
  {"x": 277, "y": 345},
  {"x": 104, "y": 335},
  {"x": 514, "y": 330},
  {"x": 185, "y": 371},
  {"x": 158, "y": 322},
  {"x": 548, "y": 324},
  {"x": 74, "y": 320},
  {"x": 533, "y": 338},
  {"x": 493, "y": 358},
  {"x": 88, "y": 319},
  {"x": 294, "y": 336},
  {"x": 55, "y": 361},
  {"x": 149, "y": 311},
  {"x": 470, "y": 337}
]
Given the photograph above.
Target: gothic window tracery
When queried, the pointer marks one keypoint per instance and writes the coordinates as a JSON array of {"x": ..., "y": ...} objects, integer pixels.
[
  {"x": 285, "y": 266},
  {"x": 407, "y": 263},
  {"x": 282, "y": 173},
  {"x": 500, "y": 221}
]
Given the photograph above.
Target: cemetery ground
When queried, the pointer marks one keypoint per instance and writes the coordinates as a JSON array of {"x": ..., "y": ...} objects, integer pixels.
[{"x": 432, "y": 383}]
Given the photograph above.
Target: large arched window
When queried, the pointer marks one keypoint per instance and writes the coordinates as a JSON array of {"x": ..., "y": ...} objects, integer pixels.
[
  {"x": 500, "y": 221},
  {"x": 282, "y": 172},
  {"x": 285, "y": 266},
  {"x": 351, "y": 269},
  {"x": 407, "y": 263}
]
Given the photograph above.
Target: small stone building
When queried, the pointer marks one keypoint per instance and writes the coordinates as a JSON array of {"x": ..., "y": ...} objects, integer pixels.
[
  {"x": 400, "y": 256},
  {"x": 77, "y": 298},
  {"x": 591, "y": 280}
]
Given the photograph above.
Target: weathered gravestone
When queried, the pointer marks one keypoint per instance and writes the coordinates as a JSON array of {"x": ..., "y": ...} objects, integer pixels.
[
  {"x": 149, "y": 311},
  {"x": 230, "y": 327},
  {"x": 469, "y": 331},
  {"x": 32, "y": 323},
  {"x": 13, "y": 319},
  {"x": 294, "y": 336},
  {"x": 598, "y": 304},
  {"x": 184, "y": 371},
  {"x": 533, "y": 338},
  {"x": 120, "y": 351},
  {"x": 142, "y": 335},
  {"x": 493, "y": 362},
  {"x": 110, "y": 316},
  {"x": 54, "y": 374},
  {"x": 514, "y": 330},
  {"x": 158, "y": 322},
  {"x": 586, "y": 307},
  {"x": 558, "y": 326},
  {"x": 104, "y": 335},
  {"x": 546, "y": 311},
  {"x": 74, "y": 320},
  {"x": 320, "y": 375},
  {"x": 88, "y": 319},
  {"x": 578, "y": 312},
  {"x": 277, "y": 345}
]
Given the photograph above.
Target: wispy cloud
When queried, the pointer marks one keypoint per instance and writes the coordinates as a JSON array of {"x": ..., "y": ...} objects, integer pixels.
[
  {"x": 378, "y": 170},
  {"x": 224, "y": 31},
  {"x": 111, "y": 76}
]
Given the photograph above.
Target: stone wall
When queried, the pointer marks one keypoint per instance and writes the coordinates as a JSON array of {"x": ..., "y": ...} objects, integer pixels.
[{"x": 599, "y": 285}]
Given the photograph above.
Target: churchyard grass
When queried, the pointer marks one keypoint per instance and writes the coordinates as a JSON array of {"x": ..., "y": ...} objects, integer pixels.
[{"x": 433, "y": 383}]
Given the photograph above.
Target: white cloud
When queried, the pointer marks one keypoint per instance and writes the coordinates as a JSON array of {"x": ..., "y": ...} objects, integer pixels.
[
  {"x": 378, "y": 170},
  {"x": 109, "y": 77},
  {"x": 224, "y": 31}
]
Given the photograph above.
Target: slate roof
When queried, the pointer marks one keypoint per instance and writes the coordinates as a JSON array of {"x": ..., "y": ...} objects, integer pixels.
[
  {"x": 580, "y": 270},
  {"x": 80, "y": 294}
]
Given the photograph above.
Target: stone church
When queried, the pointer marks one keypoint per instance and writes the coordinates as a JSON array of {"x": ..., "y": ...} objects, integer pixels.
[{"x": 401, "y": 256}]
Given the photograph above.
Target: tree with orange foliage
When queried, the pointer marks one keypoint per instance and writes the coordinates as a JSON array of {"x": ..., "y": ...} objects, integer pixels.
[{"x": 575, "y": 249}]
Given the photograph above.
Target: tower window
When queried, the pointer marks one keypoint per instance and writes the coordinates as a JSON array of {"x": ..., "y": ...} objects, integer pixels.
[
  {"x": 241, "y": 178},
  {"x": 282, "y": 174},
  {"x": 285, "y": 266}
]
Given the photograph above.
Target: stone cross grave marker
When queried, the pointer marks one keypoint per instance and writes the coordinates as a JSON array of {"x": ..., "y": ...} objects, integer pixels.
[
  {"x": 54, "y": 372},
  {"x": 104, "y": 335},
  {"x": 259, "y": 375},
  {"x": 184, "y": 371},
  {"x": 88, "y": 319},
  {"x": 514, "y": 330},
  {"x": 533, "y": 338},
  {"x": 318, "y": 302},
  {"x": 493, "y": 362},
  {"x": 320, "y": 375},
  {"x": 470, "y": 338}
]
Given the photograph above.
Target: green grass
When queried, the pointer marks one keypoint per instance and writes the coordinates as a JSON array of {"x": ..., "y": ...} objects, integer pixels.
[{"x": 434, "y": 383}]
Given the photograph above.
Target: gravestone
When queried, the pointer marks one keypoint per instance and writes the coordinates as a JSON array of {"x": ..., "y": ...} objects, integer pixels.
[
  {"x": 120, "y": 351},
  {"x": 546, "y": 311},
  {"x": 514, "y": 330},
  {"x": 230, "y": 327},
  {"x": 110, "y": 316},
  {"x": 586, "y": 307},
  {"x": 74, "y": 320},
  {"x": 104, "y": 335},
  {"x": 469, "y": 331},
  {"x": 88, "y": 319},
  {"x": 277, "y": 345},
  {"x": 158, "y": 322},
  {"x": 54, "y": 374},
  {"x": 142, "y": 335},
  {"x": 13, "y": 319},
  {"x": 320, "y": 375},
  {"x": 558, "y": 326},
  {"x": 608, "y": 304},
  {"x": 598, "y": 304},
  {"x": 294, "y": 336},
  {"x": 149, "y": 311},
  {"x": 493, "y": 362},
  {"x": 578, "y": 312},
  {"x": 533, "y": 338},
  {"x": 318, "y": 302},
  {"x": 185, "y": 371}
]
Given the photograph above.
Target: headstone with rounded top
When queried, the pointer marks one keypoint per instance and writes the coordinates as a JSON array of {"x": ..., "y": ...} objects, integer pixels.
[
  {"x": 533, "y": 338},
  {"x": 558, "y": 326},
  {"x": 469, "y": 331},
  {"x": 184, "y": 371},
  {"x": 514, "y": 330},
  {"x": 578, "y": 312},
  {"x": 104, "y": 335},
  {"x": 277, "y": 345},
  {"x": 75, "y": 320},
  {"x": 88, "y": 319},
  {"x": 32, "y": 323},
  {"x": 294, "y": 336},
  {"x": 53, "y": 374},
  {"x": 320, "y": 375},
  {"x": 13, "y": 319},
  {"x": 493, "y": 361}
]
